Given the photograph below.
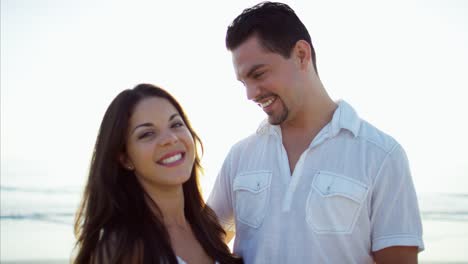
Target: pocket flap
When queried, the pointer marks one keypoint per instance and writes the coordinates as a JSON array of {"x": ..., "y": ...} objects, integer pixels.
[
  {"x": 255, "y": 181},
  {"x": 330, "y": 184}
]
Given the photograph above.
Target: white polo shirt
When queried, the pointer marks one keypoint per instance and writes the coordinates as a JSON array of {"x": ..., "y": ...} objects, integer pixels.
[{"x": 351, "y": 193}]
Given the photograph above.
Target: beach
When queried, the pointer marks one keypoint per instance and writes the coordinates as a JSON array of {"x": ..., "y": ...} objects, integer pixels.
[
  {"x": 37, "y": 226},
  {"x": 36, "y": 242},
  {"x": 445, "y": 242}
]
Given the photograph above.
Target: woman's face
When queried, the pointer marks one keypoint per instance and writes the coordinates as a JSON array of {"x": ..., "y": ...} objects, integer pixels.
[{"x": 160, "y": 147}]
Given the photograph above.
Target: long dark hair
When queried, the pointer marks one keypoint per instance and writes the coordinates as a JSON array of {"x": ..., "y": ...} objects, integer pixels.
[{"x": 117, "y": 220}]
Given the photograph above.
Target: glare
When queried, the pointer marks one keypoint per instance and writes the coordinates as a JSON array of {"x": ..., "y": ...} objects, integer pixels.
[{"x": 400, "y": 64}]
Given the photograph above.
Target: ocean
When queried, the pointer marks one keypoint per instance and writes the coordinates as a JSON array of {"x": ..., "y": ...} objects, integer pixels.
[{"x": 37, "y": 225}]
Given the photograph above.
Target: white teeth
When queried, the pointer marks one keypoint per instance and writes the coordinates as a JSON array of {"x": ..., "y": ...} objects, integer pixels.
[
  {"x": 267, "y": 103},
  {"x": 172, "y": 159}
]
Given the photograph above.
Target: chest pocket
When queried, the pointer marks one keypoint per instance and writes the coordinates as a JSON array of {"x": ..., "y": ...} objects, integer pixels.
[
  {"x": 251, "y": 192},
  {"x": 334, "y": 203}
]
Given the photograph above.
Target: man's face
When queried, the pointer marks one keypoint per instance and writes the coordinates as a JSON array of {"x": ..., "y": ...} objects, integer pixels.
[{"x": 269, "y": 78}]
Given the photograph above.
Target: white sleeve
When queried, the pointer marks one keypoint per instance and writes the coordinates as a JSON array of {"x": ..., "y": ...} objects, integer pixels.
[
  {"x": 395, "y": 216},
  {"x": 220, "y": 199}
]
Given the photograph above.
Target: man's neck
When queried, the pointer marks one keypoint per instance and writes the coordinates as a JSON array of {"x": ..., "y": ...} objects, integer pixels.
[{"x": 311, "y": 118}]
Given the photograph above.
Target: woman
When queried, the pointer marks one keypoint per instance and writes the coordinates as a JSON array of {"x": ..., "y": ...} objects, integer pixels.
[{"x": 142, "y": 203}]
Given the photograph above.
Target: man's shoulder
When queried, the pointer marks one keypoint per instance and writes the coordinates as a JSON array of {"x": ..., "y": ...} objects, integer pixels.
[
  {"x": 345, "y": 117},
  {"x": 376, "y": 137}
]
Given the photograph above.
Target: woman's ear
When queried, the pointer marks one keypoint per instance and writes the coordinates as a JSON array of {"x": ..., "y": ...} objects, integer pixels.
[{"x": 125, "y": 162}]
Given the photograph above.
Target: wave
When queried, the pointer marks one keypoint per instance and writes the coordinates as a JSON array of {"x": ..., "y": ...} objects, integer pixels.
[
  {"x": 54, "y": 205},
  {"x": 451, "y": 216},
  {"x": 59, "y": 205},
  {"x": 55, "y": 190},
  {"x": 444, "y": 206},
  {"x": 58, "y": 218}
]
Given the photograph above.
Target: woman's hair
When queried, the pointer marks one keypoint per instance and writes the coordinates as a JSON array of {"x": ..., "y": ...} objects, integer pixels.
[{"x": 117, "y": 221}]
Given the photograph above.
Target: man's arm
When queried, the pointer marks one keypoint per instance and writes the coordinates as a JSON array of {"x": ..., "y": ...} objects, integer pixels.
[
  {"x": 398, "y": 254},
  {"x": 220, "y": 199},
  {"x": 395, "y": 217}
]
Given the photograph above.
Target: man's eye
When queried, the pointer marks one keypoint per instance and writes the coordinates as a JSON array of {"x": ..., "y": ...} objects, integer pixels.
[
  {"x": 145, "y": 135},
  {"x": 258, "y": 75}
]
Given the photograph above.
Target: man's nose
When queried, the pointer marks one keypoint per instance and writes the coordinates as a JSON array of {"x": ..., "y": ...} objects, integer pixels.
[{"x": 252, "y": 90}]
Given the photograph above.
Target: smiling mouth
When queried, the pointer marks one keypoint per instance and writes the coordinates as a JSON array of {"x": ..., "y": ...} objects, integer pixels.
[
  {"x": 172, "y": 159},
  {"x": 266, "y": 103}
]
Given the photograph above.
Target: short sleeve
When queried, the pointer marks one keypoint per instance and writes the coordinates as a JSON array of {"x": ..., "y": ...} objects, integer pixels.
[
  {"x": 395, "y": 216},
  {"x": 220, "y": 199}
]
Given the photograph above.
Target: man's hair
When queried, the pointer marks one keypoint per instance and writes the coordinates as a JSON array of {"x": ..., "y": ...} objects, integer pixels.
[{"x": 277, "y": 26}]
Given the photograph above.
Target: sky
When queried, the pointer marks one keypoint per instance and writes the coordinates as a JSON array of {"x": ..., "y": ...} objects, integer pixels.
[{"x": 401, "y": 64}]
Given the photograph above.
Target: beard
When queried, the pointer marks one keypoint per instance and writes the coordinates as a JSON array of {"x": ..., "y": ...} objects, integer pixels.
[{"x": 280, "y": 117}]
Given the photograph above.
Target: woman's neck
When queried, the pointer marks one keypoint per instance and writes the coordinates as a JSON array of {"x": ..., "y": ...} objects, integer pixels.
[{"x": 171, "y": 204}]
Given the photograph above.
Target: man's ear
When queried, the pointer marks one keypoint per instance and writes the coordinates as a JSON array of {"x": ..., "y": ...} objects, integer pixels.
[
  {"x": 125, "y": 162},
  {"x": 302, "y": 52}
]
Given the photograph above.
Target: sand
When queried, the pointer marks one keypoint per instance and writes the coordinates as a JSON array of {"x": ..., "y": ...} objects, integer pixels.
[{"x": 40, "y": 242}]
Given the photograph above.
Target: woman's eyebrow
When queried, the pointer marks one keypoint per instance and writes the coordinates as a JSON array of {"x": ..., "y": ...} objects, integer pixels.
[
  {"x": 148, "y": 124},
  {"x": 142, "y": 125},
  {"x": 173, "y": 116}
]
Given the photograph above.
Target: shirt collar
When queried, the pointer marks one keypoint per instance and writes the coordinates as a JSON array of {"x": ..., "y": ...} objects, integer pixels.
[
  {"x": 265, "y": 128},
  {"x": 344, "y": 117}
]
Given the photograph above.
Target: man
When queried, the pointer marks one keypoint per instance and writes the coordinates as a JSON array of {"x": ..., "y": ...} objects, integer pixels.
[{"x": 314, "y": 184}]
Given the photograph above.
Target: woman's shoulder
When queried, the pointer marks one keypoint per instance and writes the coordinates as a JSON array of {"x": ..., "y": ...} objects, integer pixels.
[{"x": 110, "y": 246}]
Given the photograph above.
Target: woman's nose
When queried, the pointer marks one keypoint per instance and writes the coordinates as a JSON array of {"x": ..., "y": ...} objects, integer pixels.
[{"x": 168, "y": 138}]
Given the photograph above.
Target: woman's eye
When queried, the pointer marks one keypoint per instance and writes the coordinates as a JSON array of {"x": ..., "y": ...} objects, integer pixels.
[
  {"x": 145, "y": 135},
  {"x": 177, "y": 124}
]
